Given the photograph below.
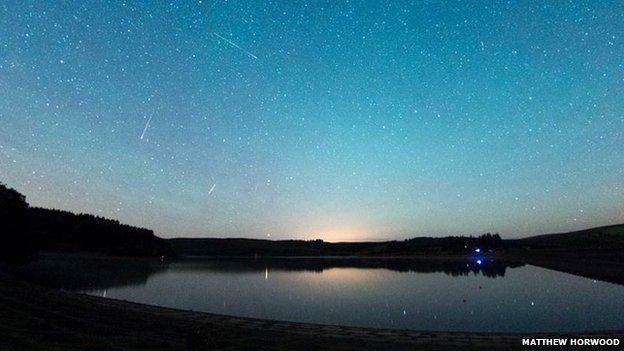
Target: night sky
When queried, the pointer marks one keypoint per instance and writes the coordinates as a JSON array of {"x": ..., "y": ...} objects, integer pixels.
[{"x": 339, "y": 120}]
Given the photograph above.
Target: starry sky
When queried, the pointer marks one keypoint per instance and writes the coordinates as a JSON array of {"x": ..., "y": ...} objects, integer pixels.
[{"x": 339, "y": 120}]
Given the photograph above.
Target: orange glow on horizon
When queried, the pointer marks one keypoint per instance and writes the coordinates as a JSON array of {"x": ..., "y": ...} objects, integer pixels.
[{"x": 343, "y": 235}]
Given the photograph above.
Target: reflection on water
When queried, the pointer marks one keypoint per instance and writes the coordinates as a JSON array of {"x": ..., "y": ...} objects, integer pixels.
[
  {"x": 84, "y": 273},
  {"x": 425, "y": 294},
  {"x": 453, "y": 267}
]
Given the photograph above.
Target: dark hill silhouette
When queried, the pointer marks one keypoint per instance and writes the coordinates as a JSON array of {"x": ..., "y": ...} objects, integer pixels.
[
  {"x": 594, "y": 253},
  {"x": 24, "y": 231},
  {"x": 607, "y": 237}
]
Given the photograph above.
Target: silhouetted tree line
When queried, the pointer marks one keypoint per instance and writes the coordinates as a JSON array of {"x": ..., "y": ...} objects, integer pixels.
[
  {"x": 254, "y": 247},
  {"x": 449, "y": 244},
  {"x": 26, "y": 230},
  {"x": 16, "y": 244}
]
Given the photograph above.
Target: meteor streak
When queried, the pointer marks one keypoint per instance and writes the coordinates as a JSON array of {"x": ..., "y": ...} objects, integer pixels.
[
  {"x": 147, "y": 125},
  {"x": 235, "y": 45}
]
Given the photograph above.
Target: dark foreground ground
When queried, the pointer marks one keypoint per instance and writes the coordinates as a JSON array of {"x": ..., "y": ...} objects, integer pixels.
[{"x": 36, "y": 318}]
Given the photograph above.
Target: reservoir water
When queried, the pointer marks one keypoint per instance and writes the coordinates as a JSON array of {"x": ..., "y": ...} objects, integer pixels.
[{"x": 419, "y": 294}]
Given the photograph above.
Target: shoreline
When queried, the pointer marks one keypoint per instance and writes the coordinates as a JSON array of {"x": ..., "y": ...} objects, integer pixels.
[{"x": 38, "y": 318}]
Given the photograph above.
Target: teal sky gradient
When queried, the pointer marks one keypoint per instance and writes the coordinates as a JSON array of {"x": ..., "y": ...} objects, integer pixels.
[{"x": 340, "y": 120}]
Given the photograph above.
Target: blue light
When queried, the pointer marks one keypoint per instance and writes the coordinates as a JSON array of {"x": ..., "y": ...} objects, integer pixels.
[
  {"x": 478, "y": 261},
  {"x": 477, "y": 250}
]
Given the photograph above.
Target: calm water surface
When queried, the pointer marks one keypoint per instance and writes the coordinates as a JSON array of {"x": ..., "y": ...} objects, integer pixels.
[{"x": 413, "y": 294}]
